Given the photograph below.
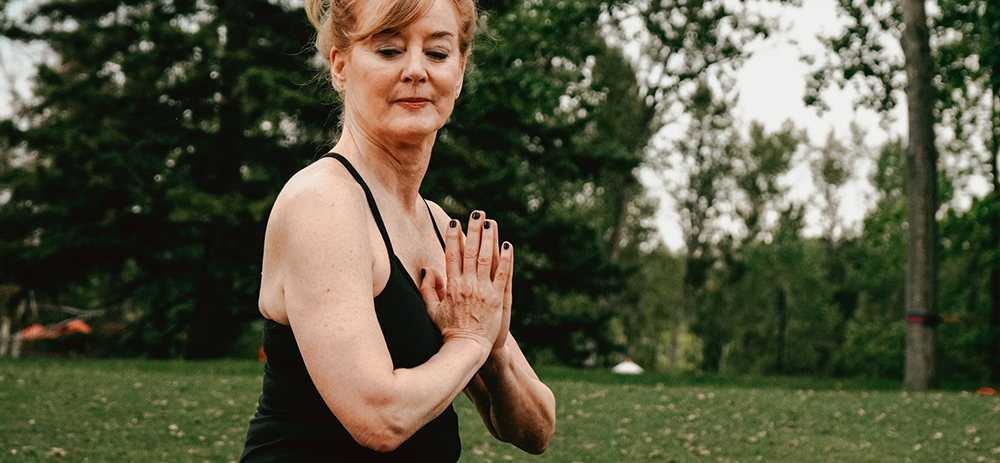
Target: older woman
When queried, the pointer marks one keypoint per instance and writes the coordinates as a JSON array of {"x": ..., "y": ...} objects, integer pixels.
[{"x": 362, "y": 362}]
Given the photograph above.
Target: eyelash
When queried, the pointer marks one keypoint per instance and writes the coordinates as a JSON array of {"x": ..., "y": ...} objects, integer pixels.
[{"x": 392, "y": 53}]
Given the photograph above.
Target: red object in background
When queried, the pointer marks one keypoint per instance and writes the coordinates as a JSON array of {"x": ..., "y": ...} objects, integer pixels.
[
  {"x": 76, "y": 326},
  {"x": 261, "y": 356},
  {"x": 987, "y": 391},
  {"x": 36, "y": 331}
]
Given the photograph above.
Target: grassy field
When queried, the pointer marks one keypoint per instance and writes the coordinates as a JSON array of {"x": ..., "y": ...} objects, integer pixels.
[{"x": 150, "y": 411}]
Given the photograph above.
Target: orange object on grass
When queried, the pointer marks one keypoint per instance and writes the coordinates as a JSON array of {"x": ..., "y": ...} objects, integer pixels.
[
  {"x": 986, "y": 391},
  {"x": 261, "y": 356}
]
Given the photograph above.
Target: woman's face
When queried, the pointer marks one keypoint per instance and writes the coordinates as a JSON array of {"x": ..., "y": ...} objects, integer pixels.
[{"x": 401, "y": 85}]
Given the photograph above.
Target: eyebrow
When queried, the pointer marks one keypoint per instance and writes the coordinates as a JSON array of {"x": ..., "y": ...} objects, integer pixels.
[{"x": 395, "y": 33}]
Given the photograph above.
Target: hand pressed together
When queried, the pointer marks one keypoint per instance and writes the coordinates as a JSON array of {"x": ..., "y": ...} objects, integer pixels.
[{"x": 474, "y": 300}]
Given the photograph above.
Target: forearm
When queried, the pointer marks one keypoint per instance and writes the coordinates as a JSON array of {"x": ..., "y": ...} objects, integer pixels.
[
  {"x": 390, "y": 411},
  {"x": 519, "y": 407},
  {"x": 430, "y": 388}
]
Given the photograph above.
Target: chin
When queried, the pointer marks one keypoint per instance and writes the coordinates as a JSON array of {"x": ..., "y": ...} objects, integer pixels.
[{"x": 415, "y": 132}]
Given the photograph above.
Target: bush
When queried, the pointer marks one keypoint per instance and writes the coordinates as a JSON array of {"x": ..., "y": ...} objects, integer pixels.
[{"x": 871, "y": 350}]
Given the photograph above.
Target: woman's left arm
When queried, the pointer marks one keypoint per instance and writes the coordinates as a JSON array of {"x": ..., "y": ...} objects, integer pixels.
[{"x": 515, "y": 405}]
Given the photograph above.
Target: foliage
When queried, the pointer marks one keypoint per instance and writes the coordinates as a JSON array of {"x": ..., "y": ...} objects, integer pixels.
[
  {"x": 163, "y": 134},
  {"x": 872, "y": 350},
  {"x": 545, "y": 139},
  {"x": 160, "y": 137}
]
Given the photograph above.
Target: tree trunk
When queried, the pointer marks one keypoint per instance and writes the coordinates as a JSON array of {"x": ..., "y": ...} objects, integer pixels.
[
  {"x": 995, "y": 229},
  {"x": 625, "y": 194},
  {"x": 676, "y": 332},
  {"x": 725, "y": 331},
  {"x": 921, "y": 205},
  {"x": 781, "y": 310},
  {"x": 5, "y": 338}
]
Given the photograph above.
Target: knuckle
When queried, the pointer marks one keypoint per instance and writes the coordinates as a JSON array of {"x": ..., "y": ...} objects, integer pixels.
[
  {"x": 465, "y": 287},
  {"x": 485, "y": 260}
]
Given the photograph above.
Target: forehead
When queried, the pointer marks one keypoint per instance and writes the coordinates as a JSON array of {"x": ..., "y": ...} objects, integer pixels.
[
  {"x": 439, "y": 20},
  {"x": 443, "y": 15}
]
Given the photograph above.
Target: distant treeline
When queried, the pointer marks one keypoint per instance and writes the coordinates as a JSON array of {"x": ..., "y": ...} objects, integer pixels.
[{"x": 137, "y": 179}]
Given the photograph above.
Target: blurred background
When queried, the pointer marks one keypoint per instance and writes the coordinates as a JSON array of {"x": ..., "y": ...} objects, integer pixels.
[{"x": 703, "y": 186}]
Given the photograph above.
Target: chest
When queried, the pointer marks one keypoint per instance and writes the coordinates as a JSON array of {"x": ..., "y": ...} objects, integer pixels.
[{"x": 415, "y": 244}]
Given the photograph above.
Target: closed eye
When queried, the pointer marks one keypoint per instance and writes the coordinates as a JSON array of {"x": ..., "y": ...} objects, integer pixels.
[
  {"x": 388, "y": 52},
  {"x": 437, "y": 55}
]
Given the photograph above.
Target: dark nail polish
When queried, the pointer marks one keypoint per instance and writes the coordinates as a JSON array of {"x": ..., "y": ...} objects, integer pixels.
[
  {"x": 506, "y": 246},
  {"x": 486, "y": 224},
  {"x": 475, "y": 216},
  {"x": 423, "y": 273},
  {"x": 453, "y": 223}
]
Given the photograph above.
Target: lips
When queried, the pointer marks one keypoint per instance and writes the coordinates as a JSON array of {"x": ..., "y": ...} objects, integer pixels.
[{"x": 413, "y": 103}]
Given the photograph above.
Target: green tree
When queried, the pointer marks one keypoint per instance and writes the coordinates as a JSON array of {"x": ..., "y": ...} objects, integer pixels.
[
  {"x": 965, "y": 90},
  {"x": 546, "y": 139},
  {"x": 159, "y": 139},
  {"x": 163, "y": 134}
]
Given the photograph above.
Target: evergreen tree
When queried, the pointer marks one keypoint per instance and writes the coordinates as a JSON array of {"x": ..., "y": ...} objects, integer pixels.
[{"x": 158, "y": 142}]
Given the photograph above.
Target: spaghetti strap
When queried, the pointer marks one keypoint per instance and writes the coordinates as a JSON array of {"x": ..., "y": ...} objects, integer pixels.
[
  {"x": 371, "y": 199},
  {"x": 434, "y": 222}
]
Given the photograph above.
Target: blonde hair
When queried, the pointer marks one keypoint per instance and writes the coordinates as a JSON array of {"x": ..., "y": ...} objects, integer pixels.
[{"x": 341, "y": 23}]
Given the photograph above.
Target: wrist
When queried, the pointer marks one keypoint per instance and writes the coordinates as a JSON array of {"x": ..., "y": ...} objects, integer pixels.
[
  {"x": 497, "y": 362},
  {"x": 470, "y": 343}
]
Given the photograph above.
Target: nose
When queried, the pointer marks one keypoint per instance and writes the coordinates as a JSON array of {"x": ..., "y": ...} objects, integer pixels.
[{"x": 416, "y": 68}]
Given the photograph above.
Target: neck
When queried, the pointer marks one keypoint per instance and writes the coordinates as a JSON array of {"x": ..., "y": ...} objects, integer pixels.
[{"x": 395, "y": 167}]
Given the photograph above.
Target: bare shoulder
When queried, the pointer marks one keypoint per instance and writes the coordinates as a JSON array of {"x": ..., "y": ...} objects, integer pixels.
[
  {"x": 321, "y": 184},
  {"x": 317, "y": 232}
]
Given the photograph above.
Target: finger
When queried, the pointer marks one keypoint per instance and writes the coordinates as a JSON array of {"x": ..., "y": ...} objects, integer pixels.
[
  {"x": 472, "y": 242},
  {"x": 502, "y": 280},
  {"x": 508, "y": 292},
  {"x": 428, "y": 288},
  {"x": 486, "y": 251},
  {"x": 439, "y": 284},
  {"x": 496, "y": 250},
  {"x": 453, "y": 250}
]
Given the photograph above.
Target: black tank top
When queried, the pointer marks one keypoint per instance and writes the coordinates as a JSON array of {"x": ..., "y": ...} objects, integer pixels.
[{"x": 294, "y": 424}]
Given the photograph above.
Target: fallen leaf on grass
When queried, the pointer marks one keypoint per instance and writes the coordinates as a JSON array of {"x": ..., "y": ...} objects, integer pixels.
[{"x": 56, "y": 452}]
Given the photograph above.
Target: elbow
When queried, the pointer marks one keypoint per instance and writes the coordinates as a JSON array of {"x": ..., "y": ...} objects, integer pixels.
[
  {"x": 536, "y": 446},
  {"x": 536, "y": 441},
  {"x": 381, "y": 433}
]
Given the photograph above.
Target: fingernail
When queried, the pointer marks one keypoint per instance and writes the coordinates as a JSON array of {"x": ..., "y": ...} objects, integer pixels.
[
  {"x": 506, "y": 246},
  {"x": 486, "y": 224},
  {"x": 453, "y": 223},
  {"x": 475, "y": 216},
  {"x": 423, "y": 273}
]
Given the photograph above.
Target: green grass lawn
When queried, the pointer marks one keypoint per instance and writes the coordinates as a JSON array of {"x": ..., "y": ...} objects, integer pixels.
[{"x": 153, "y": 411}]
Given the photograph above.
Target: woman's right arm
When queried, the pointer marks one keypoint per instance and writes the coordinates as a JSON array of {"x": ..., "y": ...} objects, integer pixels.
[{"x": 324, "y": 255}]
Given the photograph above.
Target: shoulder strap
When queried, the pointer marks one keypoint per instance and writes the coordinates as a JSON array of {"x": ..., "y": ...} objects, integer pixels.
[
  {"x": 434, "y": 222},
  {"x": 368, "y": 194}
]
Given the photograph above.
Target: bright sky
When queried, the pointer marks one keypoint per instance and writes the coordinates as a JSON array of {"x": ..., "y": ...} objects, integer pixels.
[{"x": 772, "y": 84}]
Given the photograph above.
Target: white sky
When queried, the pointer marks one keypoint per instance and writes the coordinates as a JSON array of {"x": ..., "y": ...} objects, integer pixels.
[{"x": 772, "y": 85}]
